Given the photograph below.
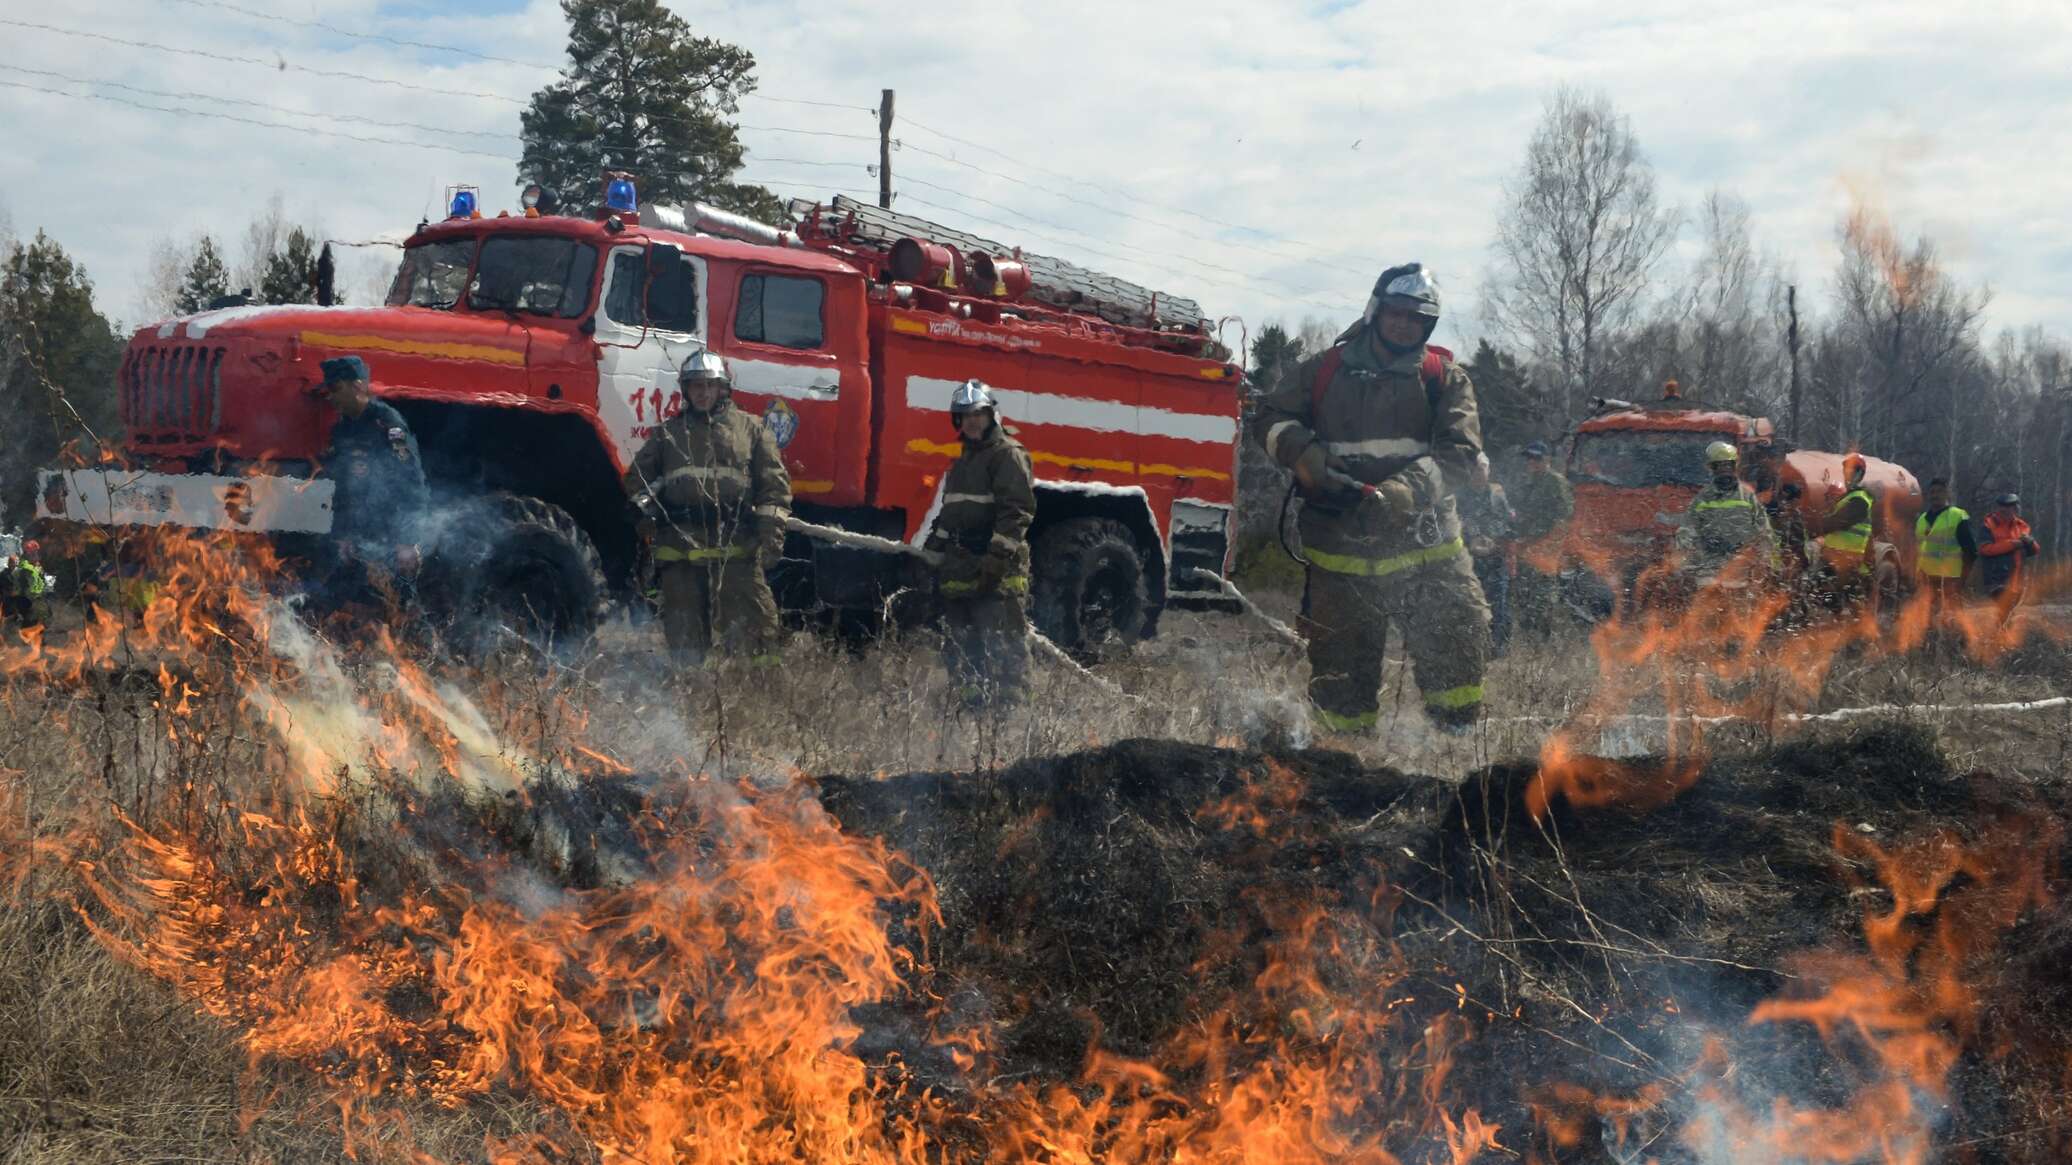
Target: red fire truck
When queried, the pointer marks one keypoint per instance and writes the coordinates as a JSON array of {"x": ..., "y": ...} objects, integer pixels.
[{"x": 533, "y": 354}]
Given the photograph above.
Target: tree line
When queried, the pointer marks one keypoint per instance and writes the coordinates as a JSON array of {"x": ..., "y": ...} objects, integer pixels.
[{"x": 1889, "y": 356}]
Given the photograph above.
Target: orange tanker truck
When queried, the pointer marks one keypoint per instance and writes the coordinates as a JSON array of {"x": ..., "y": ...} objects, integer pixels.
[{"x": 1635, "y": 468}]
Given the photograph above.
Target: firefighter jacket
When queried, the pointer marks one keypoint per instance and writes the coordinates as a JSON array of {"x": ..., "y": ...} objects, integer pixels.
[
  {"x": 379, "y": 476},
  {"x": 2008, "y": 542},
  {"x": 982, "y": 529},
  {"x": 715, "y": 486},
  {"x": 1545, "y": 502},
  {"x": 1377, "y": 421},
  {"x": 1722, "y": 523},
  {"x": 1944, "y": 547}
]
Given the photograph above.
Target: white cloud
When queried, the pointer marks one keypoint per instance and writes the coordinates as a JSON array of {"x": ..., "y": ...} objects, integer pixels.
[{"x": 1350, "y": 136}]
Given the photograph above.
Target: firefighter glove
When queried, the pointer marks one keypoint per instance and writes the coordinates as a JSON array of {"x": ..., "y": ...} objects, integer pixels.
[
  {"x": 1313, "y": 471},
  {"x": 1395, "y": 500},
  {"x": 959, "y": 565}
]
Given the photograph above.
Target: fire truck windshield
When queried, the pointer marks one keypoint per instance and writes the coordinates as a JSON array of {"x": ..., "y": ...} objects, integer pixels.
[
  {"x": 533, "y": 274},
  {"x": 432, "y": 274},
  {"x": 1635, "y": 458}
]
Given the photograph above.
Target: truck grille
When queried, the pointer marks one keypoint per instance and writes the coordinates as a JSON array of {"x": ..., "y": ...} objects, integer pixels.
[{"x": 172, "y": 393}]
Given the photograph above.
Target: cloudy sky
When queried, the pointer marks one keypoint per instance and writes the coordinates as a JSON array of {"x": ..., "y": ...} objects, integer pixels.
[{"x": 1265, "y": 158}]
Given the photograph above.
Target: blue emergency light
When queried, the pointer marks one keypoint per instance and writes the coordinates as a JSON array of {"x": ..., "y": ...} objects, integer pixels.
[
  {"x": 463, "y": 205},
  {"x": 619, "y": 196}
]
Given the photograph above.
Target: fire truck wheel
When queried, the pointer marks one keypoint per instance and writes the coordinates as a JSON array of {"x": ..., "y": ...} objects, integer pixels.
[
  {"x": 1090, "y": 595},
  {"x": 525, "y": 564}
]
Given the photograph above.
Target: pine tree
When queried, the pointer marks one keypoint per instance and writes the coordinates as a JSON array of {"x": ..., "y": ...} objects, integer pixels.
[
  {"x": 290, "y": 275},
  {"x": 58, "y": 354},
  {"x": 643, "y": 95},
  {"x": 206, "y": 279},
  {"x": 1273, "y": 353}
]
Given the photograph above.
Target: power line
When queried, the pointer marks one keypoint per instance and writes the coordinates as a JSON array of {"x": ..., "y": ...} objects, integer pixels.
[
  {"x": 1137, "y": 198},
  {"x": 458, "y": 50},
  {"x": 1247, "y": 276},
  {"x": 452, "y": 149},
  {"x": 191, "y": 96},
  {"x": 1056, "y": 193}
]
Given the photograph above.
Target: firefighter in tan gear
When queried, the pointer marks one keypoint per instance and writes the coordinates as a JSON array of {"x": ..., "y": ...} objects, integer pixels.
[
  {"x": 982, "y": 534},
  {"x": 1725, "y": 537},
  {"x": 712, "y": 484},
  {"x": 1381, "y": 431}
]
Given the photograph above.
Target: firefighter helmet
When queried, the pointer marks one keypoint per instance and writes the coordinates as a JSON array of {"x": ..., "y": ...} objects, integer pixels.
[
  {"x": 32, "y": 549},
  {"x": 1853, "y": 467},
  {"x": 705, "y": 367},
  {"x": 1720, "y": 451},
  {"x": 1410, "y": 287},
  {"x": 970, "y": 397},
  {"x": 2009, "y": 499}
]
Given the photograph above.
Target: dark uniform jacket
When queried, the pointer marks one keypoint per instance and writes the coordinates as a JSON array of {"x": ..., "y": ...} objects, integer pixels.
[
  {"x": 721, "y": 482},
  {"x": 373, "y": 460},
  {"x": 1376, "y": 421},
  {"x": 988, "y": 501},
  {"x": 1721, "y": 523}
]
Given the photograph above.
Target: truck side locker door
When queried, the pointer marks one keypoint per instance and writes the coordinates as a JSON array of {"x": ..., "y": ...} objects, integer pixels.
[
  {"x": 793, "y": 369},
  {"x": 644, "y": 333}
]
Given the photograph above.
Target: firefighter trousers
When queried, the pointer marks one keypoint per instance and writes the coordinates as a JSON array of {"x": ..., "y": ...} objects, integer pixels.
[
  {"x": 725, "y": 605},
  {"x": 986, "y": 647},
  {"x": 1444, "y": 621}
]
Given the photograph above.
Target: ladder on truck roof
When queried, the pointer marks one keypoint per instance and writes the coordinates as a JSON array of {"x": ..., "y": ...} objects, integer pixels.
[{"x": 1054, "y": 282}]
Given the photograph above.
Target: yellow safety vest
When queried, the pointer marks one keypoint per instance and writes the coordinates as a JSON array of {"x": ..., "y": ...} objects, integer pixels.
[
  {"x": 1853, "y": 539},
  {"x": 1939, "y": 554}
]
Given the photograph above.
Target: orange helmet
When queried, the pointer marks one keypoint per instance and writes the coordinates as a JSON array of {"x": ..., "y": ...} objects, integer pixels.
[
  {"x": 32, "y": 548},
  {"x": 1852, "y": 467}
]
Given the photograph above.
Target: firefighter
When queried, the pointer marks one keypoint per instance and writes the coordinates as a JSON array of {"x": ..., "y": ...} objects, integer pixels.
[
  {"x": 982, "y": 534},
  {"x": 712, "y": 483},
  {"x": 1380, "y": 432},
  {"x": 2002, "y": 559},
  {"x": 380, "y": 493},
  {"x": 28, "y": 588},
  {"x": 1545, "y": 504},
  {"x": 1487, "y": 517},
  {"x": 1847, "y": 533},
  {"x": 1726, "y": 522},
  {"x": 1944, "y": 549}
]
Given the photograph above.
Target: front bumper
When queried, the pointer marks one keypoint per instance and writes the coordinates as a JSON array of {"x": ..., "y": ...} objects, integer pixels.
[{"x": 126, "y": 497}]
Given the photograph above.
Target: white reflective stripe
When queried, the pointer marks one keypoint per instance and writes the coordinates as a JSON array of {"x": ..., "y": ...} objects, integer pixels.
[
  {"x": 795, "y": 381},
  {"x": 1380, "y": 448},
  {"x": 981, "y": 499},
  {"x": 771, "y": 511},
  {"x": 1004, "y": 541},
  {"x": 930, "y": 394},
  {"x": 120, "y": 497},
  {"x": 1274, "y": 435},
  {"x": 727, "y": 472}
]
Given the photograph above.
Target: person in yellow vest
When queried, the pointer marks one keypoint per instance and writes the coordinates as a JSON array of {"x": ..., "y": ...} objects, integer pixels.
[
  {"x": 1847, "y": 531},
  {"x": 1944, "y": 549}
]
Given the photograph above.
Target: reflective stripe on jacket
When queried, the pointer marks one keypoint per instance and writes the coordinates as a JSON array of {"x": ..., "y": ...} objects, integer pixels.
[
  {"x": 1854, "y": 539},
  {"x": 719, "y": 476},
  {"x": 1940, "y": 555},
  {"x": 988, "y": 502}
]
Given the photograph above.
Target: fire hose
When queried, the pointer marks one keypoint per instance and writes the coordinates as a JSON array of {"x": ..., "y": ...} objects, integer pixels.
[{"x": 858, "y": 541}]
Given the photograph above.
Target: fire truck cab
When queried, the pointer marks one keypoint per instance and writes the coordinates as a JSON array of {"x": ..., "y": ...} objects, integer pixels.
[{"x": 533, "y": 355}]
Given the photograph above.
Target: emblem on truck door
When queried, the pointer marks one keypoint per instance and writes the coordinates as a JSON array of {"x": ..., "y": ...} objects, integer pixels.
[{"x": 783, "y": 421}]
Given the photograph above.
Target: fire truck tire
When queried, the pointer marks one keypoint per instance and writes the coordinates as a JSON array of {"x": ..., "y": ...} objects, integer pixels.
[
  {"x": 1090, "y": 595},
  {"x": 526, "y": 564}
]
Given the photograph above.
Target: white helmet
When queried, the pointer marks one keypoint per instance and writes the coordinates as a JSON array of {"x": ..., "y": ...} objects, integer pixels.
[
  {"x": 702, "y": 366},
  {"x": 971, "y": 396}
]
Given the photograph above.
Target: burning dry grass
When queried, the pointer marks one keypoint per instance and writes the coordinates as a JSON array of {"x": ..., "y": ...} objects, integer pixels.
[{"x": 277, "y": 902}]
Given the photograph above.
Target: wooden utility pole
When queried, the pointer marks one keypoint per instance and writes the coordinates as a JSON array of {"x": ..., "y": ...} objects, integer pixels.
[
  {"x": 1791, "y": 340},
  {"x": 885, "y": 150}
]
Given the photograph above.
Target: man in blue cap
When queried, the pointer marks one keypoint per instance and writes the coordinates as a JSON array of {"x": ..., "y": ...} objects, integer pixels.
[{"x": 379, "y": 490}]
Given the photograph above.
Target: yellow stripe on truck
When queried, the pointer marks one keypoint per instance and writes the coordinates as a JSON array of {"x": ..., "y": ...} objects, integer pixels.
[
  {"x": 482, "y": 352},
  {"x": 1045, "y": 457}
]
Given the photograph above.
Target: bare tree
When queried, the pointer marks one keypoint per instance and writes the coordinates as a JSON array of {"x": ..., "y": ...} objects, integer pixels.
[
  {"x": 1730, "y": 353},
  {"x": 1578, "y": 240},
  {"x": 1917, "y": 331},
  {"x": 164, "y": 274},
  {"x": 264, "y": 237}
]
